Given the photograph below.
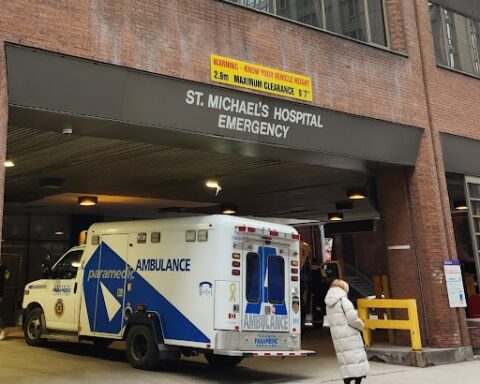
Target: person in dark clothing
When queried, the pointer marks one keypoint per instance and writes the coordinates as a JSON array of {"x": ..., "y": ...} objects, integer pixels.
[{"x": 3, "y": 330}]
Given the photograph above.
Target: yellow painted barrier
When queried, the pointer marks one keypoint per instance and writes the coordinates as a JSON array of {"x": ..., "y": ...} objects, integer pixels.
[{"x": 411, "y": 324}]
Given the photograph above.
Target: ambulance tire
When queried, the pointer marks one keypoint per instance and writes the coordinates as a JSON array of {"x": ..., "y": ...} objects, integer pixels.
[
  {"x": 221, "y": 361},
  {"x": 142, "y": 351},
  {"x": 33, "y": 328}
]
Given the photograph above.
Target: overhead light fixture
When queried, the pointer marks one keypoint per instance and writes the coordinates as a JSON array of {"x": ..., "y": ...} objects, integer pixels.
[
  {"x": 335, "y": 216},
  {"x": 229, "y": 209},
  {"x": 356, "y": 193},
  {"x": 9, "y": 163},
  {"x": 460, "y": 205},
  {"x": 343, "y": 205},
  {"x": 213, "y": 183},
  {"x": 51, "y": 182},
  {"x": 87, "y": 200},
  {"x": 59, "y": 233}
]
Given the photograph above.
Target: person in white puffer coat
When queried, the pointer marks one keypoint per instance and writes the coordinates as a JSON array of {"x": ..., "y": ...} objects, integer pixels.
[{"x": 345, "y": 327}]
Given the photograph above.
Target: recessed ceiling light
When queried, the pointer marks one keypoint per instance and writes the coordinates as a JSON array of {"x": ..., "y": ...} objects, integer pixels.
[
  {"x": 229, "y": 209},
  {"x": 335, "y": 216},
  {"x": 356, "y": 193},
  {"x": 213, "y": 183},
  {"x": 460, "y": 205},
  {"x": 87, "y": 200},
  {"x": 9, "y": 163}
]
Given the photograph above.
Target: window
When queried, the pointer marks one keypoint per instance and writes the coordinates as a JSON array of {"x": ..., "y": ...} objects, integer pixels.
[
  {"x": 141, "y": 238},
  {"x": 67, "y": 267},
  {"x": 190, "y": 235},
  {"x": 253, "y": 283},
  {"x": 359, "y": 19},
  {"x": 155, "y": 237},
  {"x": 456, "y": 39},
  {"x": 276, "y": 279}
]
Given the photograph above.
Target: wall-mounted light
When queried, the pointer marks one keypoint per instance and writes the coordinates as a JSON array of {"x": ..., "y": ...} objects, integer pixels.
[
  {"x": 460, "y": 205},
  {"x": 356, "y": 193},
  {"x": 343, "y": 205},
  {"x": 9, "y": 163},
  {"x": 87, "y": 200},
  {"x": 213, "y": 183},
  {"x": 335, "y": 216},
  {"x": 229, "y": 209}
]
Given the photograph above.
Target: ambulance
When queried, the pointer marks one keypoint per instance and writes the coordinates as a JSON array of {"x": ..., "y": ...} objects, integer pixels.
[{"x": 226, "y": 287}]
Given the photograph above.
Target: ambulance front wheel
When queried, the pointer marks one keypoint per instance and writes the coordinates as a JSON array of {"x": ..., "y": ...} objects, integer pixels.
[
  {"x": 33, "y": 328},
  {"x": 222, "y": 361},
  {"x": 142, "y": 351}
]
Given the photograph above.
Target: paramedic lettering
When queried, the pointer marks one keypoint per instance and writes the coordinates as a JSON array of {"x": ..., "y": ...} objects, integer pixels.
[
  {"x": 110, "y": 274},
  {"x": 177, "y": 265}
]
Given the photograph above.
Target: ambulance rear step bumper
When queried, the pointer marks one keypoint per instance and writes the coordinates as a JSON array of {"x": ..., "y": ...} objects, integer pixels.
[{"x": 301, "y": 353}]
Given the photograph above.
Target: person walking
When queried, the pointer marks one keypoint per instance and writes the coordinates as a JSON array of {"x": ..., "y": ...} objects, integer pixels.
[
  {"x": 345, "y": 328},
  {"x": 3, "y": 330}
]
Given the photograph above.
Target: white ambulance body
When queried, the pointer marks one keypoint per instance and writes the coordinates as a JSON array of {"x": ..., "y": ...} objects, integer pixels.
[{"x": 224, "y": 286}]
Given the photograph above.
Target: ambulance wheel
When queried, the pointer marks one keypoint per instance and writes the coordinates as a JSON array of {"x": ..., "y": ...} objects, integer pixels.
[
  {"x": 222, "y": 361},
  {"x": 142, "y": 351},
  {"x": 33, "y": 328}
]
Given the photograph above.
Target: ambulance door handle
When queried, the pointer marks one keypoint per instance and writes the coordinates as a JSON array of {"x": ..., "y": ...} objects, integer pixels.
[{"x": 75, "y": 288}]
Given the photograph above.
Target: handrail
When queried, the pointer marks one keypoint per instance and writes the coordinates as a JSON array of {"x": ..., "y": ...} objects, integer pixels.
[{"x": 411, "y": 324}]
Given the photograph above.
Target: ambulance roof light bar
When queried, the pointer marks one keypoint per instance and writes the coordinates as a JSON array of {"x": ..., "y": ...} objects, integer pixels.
[{"x": 267, "y": 232}]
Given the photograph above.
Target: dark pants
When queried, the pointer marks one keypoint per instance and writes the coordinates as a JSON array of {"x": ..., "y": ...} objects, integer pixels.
[
  {"x": 2, "y": 324},
  {"x": 358, "y": 380}
]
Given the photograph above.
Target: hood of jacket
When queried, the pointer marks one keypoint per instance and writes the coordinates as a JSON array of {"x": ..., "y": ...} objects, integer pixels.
[{"x": 334, "y": 295}]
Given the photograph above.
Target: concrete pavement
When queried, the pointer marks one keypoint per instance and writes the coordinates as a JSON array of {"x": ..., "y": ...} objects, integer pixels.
[{"x": 68, "y": 363}]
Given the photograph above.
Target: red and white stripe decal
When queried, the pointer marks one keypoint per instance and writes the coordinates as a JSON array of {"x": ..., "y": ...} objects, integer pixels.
[
  {"x": 281, "y": 353},
  {"x": 267, "y": 232}
]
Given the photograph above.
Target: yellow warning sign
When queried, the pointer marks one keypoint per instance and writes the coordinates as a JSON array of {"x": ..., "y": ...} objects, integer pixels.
[{"x": 264, "y": 79}]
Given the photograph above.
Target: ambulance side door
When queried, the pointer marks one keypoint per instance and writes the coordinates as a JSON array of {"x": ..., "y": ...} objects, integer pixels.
[{"x": 61, "y": 310}]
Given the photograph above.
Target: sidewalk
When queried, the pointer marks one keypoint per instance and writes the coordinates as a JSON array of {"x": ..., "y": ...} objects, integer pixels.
[{"x": 72, "y": 363}]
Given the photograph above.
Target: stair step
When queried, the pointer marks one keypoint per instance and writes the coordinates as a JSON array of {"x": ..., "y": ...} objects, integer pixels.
[{"x": 62, "y": 337}]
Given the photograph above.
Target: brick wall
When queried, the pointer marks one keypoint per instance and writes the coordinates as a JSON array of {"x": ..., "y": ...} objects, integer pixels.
[{"x": 176, "y": 38}]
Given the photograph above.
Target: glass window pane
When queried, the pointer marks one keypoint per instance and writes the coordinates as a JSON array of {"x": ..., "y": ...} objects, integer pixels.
[
  {"x": 438, "y": 30},
  {"x": 305, "y": 11},
  {"x": 346, "y": 17},
  {"x": 261, "y": 5},
  {"x": 461, "y": 42},
  {"x": 476, "y": 27},
  {"x": 276, "y": 279},
  {"x": 253, "y": 278},
  {"x": 67, "y": 267},
  {"x": 377, "y": 22}
]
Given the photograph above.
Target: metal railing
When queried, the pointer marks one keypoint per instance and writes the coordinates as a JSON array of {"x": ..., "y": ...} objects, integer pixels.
[{"x": 411, "y": 324}]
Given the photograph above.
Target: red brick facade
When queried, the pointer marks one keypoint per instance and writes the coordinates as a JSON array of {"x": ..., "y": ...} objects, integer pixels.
[{"x": 175, "y": 38}]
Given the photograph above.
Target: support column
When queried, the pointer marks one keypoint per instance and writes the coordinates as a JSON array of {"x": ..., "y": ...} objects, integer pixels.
[
  {"x": 3, "y": 126},
  {"x": 419, "y": 235}
]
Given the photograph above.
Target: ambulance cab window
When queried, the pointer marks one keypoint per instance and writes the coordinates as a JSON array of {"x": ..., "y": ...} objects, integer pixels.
[
  {"x": 67, "y": 267},
  {"x": 253, "y": 277},
  {"x": 276, "y": 279}
]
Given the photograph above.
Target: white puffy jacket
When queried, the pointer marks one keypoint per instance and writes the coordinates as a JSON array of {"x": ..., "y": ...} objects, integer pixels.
[{"x": 345, "y": 327}]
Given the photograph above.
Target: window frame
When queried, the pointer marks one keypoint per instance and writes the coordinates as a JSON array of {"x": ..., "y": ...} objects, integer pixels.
[
  {"x": 259, "y": 265},
  {"x": 323, "y": 28},
  {"x": 283, "y": 279},
  {"x": 450, "y": 42}
]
